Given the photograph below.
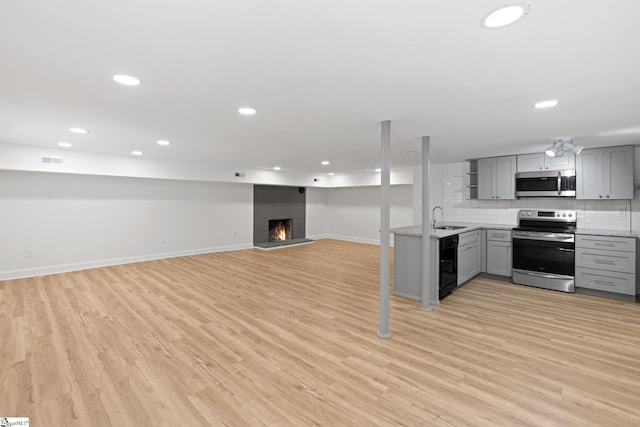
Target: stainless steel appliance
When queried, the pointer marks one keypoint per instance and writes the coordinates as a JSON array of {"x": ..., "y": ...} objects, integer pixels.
[
  {"x": 544, "y": 249},
  {"x": 448, "y": 279},
  {"x": 546, "y": 184}
]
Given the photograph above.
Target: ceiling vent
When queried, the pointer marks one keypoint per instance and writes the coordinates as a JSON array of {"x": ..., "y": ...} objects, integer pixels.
[{"x": 52, "y": 160}]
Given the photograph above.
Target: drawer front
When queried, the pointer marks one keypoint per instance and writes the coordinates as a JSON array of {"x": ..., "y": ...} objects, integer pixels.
[
  {"x": 605, "y": 242},
  {"x": 499, "y": 235},
  {"x": 468, "y": 237},
  {"x": 620, "y": 283},
  {"x": 623, "y": 262}
]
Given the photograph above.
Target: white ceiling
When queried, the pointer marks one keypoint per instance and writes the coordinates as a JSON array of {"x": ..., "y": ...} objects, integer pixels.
[{"x": 322, "y": 75}]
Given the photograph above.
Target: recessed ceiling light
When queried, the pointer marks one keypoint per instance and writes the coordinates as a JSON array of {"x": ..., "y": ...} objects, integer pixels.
[
  {"x": 506, "y": 15},
  {"x": 331, "y": 173},
  {"x": 164, "y": 142},
  {"x": 276, "y": 168},
  {"x": 378, "y": 170},
  {"x": 137, "y": 153},
  {"x": 326, "y": 162},
  {"x": 79, "y": 130},
  {"x": 546, "y": 104},
  {"x": 65, "y": 144},
  {"x": 123, "y": 79},
  {"x": 247, "y": 111}
]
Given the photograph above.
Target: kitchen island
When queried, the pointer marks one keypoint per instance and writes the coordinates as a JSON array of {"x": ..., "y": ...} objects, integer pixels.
[{"x": 408, "y": 256}]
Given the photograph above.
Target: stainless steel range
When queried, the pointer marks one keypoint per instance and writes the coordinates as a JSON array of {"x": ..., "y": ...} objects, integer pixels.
[{"x": 544, "y": 249}]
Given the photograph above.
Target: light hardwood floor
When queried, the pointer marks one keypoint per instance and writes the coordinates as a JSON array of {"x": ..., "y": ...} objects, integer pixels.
[{"x": 288, "y": 338}]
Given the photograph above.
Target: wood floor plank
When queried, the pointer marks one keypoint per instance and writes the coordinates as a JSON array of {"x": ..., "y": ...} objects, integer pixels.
[{"x": 288, "y": 338}]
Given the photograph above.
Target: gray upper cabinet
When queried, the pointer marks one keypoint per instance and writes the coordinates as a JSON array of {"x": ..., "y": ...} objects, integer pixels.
[
  {"x": 531, "y": 162},
  {"x": 496, "y": 178},
  {"x": 605, "y": 173},
  {"x": 539, "y": 161}
]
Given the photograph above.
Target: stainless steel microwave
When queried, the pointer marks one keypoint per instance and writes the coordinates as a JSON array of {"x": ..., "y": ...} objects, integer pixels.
[{"x": 546, "y": 184}]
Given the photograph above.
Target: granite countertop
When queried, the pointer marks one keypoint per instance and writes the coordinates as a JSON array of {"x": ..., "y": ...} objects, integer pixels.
[
  {"x": 611, "y": 233},
  {"x": 416, "y": 230}
]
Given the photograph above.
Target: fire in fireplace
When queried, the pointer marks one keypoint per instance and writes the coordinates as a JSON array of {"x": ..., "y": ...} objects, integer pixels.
[{"x": 279, "y": 229}]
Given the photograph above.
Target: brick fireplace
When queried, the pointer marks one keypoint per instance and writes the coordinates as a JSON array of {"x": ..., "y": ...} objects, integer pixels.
[{"x": 279, "y": 215}]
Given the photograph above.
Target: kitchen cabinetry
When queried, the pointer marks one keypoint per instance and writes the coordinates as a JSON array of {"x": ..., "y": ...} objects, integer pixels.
[
  {"x": 499, "y": 252},
  {"x": 606, "y": 264},
  {"x": 496, "y": 178},
  {"x": 539, "y": 161},
  {"x": 469, "y": 255},
  {"x": 605, "y": 173}
]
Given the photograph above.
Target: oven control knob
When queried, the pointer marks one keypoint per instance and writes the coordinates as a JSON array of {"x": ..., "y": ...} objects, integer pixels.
[
  {"x": 564, "y": 215},
  {"x": 570, "y": 215},
  {"x": 557, "y": 213}
]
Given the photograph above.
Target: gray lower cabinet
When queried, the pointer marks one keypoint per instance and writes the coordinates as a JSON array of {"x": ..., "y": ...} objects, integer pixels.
[
  {"x": 469, "y": 256},
  {"x": 407, "y": 269},
  {"x": 499, "y": 252},
  {"x": 606, "y": 264}
]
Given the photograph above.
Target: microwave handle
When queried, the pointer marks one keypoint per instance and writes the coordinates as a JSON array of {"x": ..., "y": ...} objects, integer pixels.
[{"x": 559, "y": 183}]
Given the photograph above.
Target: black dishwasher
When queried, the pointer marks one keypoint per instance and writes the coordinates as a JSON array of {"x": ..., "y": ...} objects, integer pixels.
[{"x": 448, "y": 279}]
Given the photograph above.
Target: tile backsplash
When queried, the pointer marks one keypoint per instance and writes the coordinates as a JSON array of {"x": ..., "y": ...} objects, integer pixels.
[{"x": 599, "y": 214}]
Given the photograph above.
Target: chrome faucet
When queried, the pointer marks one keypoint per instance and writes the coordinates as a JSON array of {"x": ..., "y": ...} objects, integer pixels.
[{"x": 433, "y": 215}]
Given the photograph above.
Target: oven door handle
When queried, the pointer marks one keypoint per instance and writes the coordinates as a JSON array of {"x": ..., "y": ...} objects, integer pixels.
[
  {"x": 551, "y": 237},
  {"x": 566, "y": 250},
  {"x": 543, "y": 275}
]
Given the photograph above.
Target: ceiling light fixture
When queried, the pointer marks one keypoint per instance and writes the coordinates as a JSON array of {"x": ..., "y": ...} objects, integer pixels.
[
  {"x": 65, "y": 144},
  {"x": 247, "y": 111},
  {"x": 506, "y": 15},
  {"x": 123, "y": 79},
  {"x": 325, "y": 162},
  {"x": 331, "y": 173},
  {"x": 560, "y": 145},
  {"x": 137, "y": 153},
  {"x": 555, "y": 150},
  {"x": 546, "y": 104},
  {"x": 163, "y": 142},
  {"x": 79, "y": 130},
  {"x": 378, "y": 170},
  {"x": 276, "y": 168}
]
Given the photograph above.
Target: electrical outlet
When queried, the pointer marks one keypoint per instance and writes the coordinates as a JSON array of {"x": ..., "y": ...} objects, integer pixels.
[
  {"x": 622, "y": 212},
  {"x": 28, "y": 253}
]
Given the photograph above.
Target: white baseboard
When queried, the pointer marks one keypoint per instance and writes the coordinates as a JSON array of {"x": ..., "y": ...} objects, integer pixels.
[
  {"x": 356, "y": 239},
  {"x": 76, "y": 266}
]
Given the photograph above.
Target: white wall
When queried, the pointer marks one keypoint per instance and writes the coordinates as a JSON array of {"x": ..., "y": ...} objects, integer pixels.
[
  {"x": 354, "y": 213},
  {"x": 71, "y": 221},
  {"x": 316, "y": 213},
  {"x": 435, "y": 191}
]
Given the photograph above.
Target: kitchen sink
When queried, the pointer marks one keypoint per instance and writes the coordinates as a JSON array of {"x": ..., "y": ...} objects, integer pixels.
[{"x": 449, "y": 227}]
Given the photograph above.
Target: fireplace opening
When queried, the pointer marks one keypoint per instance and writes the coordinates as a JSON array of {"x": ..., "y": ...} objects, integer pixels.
[{"x": 279, "y": 229}]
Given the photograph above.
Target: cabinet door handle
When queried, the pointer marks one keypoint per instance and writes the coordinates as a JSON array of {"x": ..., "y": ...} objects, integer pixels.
[
  {"x": 602, "y": 282},
  {"x": 601, "y": 261},
  {"x": 604, "y": 244},
  {"x": 607, "y": 196},
  {"x": 600, "y": 197}
]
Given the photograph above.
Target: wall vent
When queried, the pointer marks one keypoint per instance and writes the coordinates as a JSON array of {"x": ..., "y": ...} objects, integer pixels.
[{"x": 52, "y": 160}]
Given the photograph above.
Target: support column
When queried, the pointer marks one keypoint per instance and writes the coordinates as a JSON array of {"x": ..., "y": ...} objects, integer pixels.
[
  {"x": 385, "y": 215},
  {"x": 426, "y": 228}
]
